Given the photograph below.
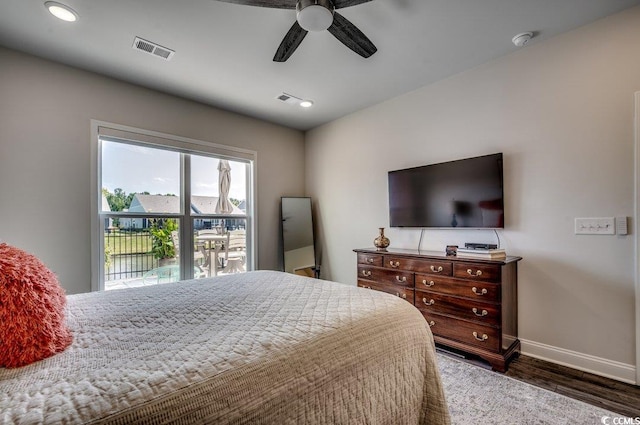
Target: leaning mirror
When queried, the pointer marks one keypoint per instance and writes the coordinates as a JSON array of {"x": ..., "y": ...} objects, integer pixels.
[{"x": 297, "y": 236}]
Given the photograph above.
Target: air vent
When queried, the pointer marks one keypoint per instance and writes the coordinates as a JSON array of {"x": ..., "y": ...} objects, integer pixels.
[
  {"x": 152, "y": 48},
  {"x": 290, "y": 99}
]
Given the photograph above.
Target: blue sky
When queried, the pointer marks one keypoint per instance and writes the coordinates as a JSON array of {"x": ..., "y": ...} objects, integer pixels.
[{"x": 138, "y": 169}]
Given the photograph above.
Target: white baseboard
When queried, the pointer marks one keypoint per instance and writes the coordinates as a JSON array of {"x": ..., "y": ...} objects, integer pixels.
[{"x": 585, "y": 362}]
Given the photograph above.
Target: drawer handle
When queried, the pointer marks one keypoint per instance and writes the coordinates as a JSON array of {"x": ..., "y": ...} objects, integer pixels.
[
  {"x": 432, "y": 324},
  {"x": 475, "y": 291},
  {"x": 403, "y": 296},
  {"x": 401, "y": 280},
  {"x": 484, "y": 337},
  {"x": 481, "y": 314},
  {"x": 366, "y": 273},
  {"x": 430, "y": 302},
  {"x": 370, "y": 260},
  {"x": 394, "y": 264},
  {"x": 429, "y": 284},
  {"x": 438, "y": 270},
  {"x": 471, "y": 273}
]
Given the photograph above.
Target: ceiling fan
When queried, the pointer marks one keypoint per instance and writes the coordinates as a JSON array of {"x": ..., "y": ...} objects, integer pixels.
[{"x": 316, "y": 15}]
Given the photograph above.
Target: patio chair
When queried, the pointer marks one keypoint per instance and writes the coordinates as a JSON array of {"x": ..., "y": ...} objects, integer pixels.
[
  {"x": 198, "y": 256},
  {"x": 234, "y": 254}
]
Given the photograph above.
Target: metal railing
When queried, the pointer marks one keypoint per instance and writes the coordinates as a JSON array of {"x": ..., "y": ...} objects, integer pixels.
[
  {"x": 128, "y": 251},
  {"x": 128, "y": 254}
]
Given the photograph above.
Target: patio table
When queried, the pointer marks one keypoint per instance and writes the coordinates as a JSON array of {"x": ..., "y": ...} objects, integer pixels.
[{"x": 214, "y": 243}]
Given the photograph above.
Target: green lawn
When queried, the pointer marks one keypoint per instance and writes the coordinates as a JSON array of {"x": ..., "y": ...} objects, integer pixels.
[{"x": 128, "y": 243}]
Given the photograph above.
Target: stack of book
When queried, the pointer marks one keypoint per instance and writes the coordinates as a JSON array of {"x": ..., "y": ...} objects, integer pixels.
[{"x": 488, "y": 254}]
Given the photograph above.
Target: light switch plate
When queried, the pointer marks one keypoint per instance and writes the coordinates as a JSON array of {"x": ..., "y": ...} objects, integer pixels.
[
  {"x": 595, "y": 226},
  {"x": 621, "y": 226}
]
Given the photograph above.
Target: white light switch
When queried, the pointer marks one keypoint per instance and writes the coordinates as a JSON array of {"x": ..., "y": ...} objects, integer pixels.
[
  {"x": 595, "y": 226},
  {"x": 621, "y": 226}
]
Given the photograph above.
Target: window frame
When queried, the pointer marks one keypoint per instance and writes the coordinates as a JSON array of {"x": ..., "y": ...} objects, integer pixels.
[{"x": 186, "y": 147}]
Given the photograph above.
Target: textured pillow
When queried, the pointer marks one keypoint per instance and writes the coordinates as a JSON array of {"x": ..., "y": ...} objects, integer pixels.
[{"x": 32, "y": 325}]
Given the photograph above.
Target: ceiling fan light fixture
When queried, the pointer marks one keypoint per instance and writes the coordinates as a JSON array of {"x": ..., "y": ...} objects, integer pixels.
[
  {"x": 314, "y": 15},
  {"x": 61, "y": 11}
]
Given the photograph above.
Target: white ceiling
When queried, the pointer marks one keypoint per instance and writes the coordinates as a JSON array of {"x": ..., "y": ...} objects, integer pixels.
[{"x": 224, "y": 51}]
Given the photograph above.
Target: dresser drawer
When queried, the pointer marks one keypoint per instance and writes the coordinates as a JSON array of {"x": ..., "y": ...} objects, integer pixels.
[
  {"x": 477, "y": 271},
  {"x": 368, "y": 272},
  {"x": 484, "y": 313},
  {"x": 399, "y": 291},
  {"x": 470, "y": 333},
  {"x": 436, "y": 267},
  {"x": 394, "y": 277},
  {"x": 489, "y": 292},
  {"x": 370, "y": 259}
]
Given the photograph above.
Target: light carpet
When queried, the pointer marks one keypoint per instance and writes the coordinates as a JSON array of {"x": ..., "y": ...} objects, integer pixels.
[{"x": 480, "y": 396}]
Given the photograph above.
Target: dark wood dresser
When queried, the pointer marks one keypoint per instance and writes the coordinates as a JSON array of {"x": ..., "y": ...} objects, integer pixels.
[{"x": 470, "y": 304}]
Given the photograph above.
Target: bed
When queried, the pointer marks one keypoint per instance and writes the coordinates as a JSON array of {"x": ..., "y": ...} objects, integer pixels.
[{"x": 255, "y": 348}]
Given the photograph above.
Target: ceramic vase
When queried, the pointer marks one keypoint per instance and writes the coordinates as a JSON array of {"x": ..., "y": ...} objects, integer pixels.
[{"x": 381, "y": 242}]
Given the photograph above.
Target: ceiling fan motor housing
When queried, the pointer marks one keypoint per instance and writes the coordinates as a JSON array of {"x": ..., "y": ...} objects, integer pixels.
[{"x": 314, "y": 15}]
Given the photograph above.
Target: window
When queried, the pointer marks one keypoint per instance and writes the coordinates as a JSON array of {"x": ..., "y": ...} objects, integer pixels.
[{"x": 170, "y": 208}]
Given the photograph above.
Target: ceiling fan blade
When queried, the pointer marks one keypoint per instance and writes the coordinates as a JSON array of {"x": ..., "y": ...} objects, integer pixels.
[
  {"x": 276, "y": 4},
  {"x": 339, "y": 4},
  {"x": 349, "y": 35},
  {"x": 290, "y": 42}
]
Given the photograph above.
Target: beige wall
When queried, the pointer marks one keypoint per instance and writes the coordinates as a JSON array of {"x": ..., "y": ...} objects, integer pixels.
[
  {"x": 45, "y": 158},
  {"x": 562, "y": 113}
]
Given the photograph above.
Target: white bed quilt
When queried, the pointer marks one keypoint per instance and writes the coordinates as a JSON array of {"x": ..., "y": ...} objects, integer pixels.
[{"x": 255, "y": 348}]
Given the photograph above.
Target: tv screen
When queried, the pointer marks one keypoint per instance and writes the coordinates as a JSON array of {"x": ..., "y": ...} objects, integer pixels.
[{"x": 467, "y": 193}]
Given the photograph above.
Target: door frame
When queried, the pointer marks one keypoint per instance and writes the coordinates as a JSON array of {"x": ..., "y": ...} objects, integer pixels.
[{"x": 636, "y": 206}]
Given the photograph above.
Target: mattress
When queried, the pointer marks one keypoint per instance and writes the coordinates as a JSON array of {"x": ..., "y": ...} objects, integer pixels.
[{"x": 255, "y": 348}]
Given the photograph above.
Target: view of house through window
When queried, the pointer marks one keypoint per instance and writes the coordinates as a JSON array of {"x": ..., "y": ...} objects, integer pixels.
[{"x": 160, "y": 205}]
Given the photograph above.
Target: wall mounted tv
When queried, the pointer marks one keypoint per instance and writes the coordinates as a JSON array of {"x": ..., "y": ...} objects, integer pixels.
[{"x": 467, "y": 193}]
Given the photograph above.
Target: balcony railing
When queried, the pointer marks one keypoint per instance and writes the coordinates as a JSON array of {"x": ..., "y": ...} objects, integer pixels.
[
  {"x": 128, "y": 254},
  {"x": 129, "y": 259}
]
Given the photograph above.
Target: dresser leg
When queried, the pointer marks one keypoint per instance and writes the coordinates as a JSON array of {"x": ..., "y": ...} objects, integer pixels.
[{"x": 500, "y": 363}]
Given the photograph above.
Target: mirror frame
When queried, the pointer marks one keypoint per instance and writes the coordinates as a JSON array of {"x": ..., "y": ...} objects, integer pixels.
[{"x": 314, "y": 268}]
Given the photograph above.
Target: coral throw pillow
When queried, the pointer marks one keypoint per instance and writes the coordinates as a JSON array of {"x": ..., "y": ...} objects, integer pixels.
[{"x": 32, "y": 325}]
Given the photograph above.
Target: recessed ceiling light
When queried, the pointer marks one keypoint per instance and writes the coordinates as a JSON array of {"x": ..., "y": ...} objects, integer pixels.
[
  {"x": 306, "y": 103},
  {"x": 61, "y": 11}
]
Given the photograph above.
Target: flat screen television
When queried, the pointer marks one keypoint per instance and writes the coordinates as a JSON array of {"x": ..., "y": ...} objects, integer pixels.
[{"x": 467, "y": 193}]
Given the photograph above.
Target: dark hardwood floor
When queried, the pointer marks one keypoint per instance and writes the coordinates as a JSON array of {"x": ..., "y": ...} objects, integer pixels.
[
  {"x": 609, "y": 394},
  {"x": 606, "y": 393}
]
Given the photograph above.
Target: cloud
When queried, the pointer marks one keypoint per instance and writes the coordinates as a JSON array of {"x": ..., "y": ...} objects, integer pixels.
[{"x": 207, "y": 185}]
